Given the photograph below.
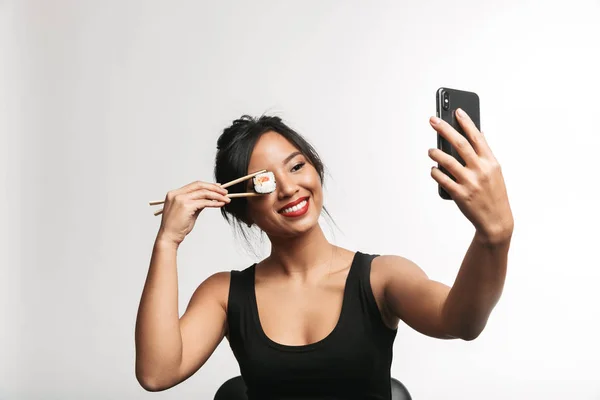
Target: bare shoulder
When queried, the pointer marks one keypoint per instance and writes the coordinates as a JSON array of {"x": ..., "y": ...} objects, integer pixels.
[
  {"x": 395, "y": 272},
  {"x": 410, "y": 295},
  {"x": 385, "y": 267},
  {"x": 215, "y": 288}
]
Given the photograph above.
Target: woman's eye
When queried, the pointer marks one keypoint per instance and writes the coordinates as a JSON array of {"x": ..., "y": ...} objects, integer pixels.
[{"x": 298, "y": 166}]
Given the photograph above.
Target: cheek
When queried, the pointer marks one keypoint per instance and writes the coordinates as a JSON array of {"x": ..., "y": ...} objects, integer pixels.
[
  {"x": 311, "y": 180},
  {"x": 313, "y": 183},
  {"x": 318, "y": 199}
]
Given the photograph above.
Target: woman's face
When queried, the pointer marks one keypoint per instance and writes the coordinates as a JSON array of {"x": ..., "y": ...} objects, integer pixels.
[{"x": 295, "y": 205}]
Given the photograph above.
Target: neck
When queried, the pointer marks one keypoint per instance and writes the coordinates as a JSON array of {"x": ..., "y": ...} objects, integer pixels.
[{"x": 303, "y": 255}]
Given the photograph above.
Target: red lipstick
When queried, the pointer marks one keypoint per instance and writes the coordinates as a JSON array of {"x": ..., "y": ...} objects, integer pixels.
[{"x": 298, "y": 212}]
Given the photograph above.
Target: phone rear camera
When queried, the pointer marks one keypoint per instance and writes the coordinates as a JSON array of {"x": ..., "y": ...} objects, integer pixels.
[{"x": 446, "y": 101}]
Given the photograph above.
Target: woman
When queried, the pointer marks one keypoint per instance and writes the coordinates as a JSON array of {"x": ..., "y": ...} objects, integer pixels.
[{"x": 314, "y": 319}]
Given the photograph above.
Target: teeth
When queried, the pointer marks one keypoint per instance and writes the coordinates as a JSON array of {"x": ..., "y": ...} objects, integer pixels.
[{"x": 294, "y": 208}]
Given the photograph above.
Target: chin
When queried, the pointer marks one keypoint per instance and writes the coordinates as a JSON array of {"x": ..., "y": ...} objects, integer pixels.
[
  {"x": 292, "y": 228},
  {"x": 304, "y": 227},
  {"x": 306, "y": 224}
]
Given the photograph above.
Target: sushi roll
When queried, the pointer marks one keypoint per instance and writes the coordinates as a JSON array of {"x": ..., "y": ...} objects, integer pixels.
[{"x": 264, "y": 183}]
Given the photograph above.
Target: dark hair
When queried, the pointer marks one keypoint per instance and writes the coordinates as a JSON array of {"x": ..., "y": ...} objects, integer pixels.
[{"x": 234, "y": 148}]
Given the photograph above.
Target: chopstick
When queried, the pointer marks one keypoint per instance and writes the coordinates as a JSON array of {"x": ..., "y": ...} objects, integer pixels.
[
  {"x": 232, "y": 196},
  {"x": 250, "y": 194},
  {"x": 225, "y": 185},
  {"x": 243, "y": 178}
]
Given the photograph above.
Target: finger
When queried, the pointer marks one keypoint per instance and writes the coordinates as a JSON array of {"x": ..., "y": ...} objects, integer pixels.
[
  {"x": 201, "y": 204},
  {"x": 198, "y": 185},
  {"x": 218, "y": 188},
  {"x": 458, "y": 141},
  {"x": 452, "y": 165},
  {"x": 207, "y": 194},
  {"x": 453, "y": 188},
  {"x": 476, "y": 138}
]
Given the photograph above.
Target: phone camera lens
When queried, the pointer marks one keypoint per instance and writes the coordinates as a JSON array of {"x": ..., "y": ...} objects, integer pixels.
[{"x": 446, "y": 102}]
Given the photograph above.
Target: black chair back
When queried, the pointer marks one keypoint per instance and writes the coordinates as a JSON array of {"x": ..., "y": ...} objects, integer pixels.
[
  {"x": 232, "y": 389},
  {"x": 235, "y": 389},
  {"x": 399, "y": 391}
]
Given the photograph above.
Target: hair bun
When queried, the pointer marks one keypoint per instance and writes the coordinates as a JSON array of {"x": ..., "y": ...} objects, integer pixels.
[{"x": 238, "y": 129}]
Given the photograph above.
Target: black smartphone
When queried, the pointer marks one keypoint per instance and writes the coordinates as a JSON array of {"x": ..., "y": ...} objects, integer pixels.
[{"x": 447, "y": 101}]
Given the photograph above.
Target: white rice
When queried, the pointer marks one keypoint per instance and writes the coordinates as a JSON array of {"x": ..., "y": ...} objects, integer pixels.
[{"x": 264, "y": 187}]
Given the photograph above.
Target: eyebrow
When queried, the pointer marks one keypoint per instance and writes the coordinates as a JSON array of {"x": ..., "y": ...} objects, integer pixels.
[{"x": 288, "y": 158}]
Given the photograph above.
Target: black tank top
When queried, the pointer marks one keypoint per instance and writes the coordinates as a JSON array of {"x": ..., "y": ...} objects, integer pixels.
[{"x": 352, "y": 362}]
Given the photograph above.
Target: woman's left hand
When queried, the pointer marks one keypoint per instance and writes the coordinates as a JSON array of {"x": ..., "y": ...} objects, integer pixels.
[{"x": 479, "y": 190}]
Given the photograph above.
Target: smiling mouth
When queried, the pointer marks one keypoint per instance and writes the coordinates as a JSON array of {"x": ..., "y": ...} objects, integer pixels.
[{"x": 298, "y": 208}]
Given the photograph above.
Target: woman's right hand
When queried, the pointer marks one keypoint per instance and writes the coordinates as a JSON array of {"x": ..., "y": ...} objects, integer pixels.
[{"x": 182, "y": 207}]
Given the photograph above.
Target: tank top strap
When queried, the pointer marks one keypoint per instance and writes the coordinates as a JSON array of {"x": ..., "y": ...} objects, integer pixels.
[
  {"x": 239, "y": 310},
  {"x": 361, "y": 283}
]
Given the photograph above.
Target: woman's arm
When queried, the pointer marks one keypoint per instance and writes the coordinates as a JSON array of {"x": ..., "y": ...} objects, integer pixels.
[
  {"x": 480, "y": 193},
  {"x": 157, "y": 335},
  {"x": 477, "y": 288},
  {"x": 169, "y": 350},
  {"x": 437, "y": 310}
]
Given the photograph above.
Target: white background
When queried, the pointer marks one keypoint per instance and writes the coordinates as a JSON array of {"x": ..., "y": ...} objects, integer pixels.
[{"x": 105, "y": 105}]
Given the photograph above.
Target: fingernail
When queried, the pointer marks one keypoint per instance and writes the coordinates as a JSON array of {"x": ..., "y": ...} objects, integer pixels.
[
  {"x": 461, "y": 113},
  {"x": 434, "y": 120}
]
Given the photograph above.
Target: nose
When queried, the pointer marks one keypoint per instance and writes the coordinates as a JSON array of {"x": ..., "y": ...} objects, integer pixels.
[{"x": 286, "y": 187}]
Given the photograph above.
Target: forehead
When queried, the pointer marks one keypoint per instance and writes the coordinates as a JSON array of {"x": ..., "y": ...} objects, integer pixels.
[{"x": 270, "y": 150}]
